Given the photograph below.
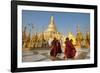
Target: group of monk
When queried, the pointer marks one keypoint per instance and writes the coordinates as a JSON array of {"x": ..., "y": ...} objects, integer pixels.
[{"x": 69, "y": 51}]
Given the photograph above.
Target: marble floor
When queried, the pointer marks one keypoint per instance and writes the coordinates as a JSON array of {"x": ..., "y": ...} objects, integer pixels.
[{"x": 43, "y": 55}]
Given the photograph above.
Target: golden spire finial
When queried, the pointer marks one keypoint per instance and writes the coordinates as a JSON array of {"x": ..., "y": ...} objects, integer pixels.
[{"x": 52, "y": 20}]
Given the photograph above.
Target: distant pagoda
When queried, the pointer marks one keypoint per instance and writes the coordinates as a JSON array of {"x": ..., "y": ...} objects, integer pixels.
[{"x": 79, "y": 37}]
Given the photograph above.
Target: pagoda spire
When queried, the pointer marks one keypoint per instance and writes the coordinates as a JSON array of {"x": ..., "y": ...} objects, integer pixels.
[
  {"x": 52, "y": 20},
  {"x": 52, "y": 26}
]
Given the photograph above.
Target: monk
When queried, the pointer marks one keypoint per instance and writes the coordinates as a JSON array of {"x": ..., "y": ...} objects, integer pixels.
[
  {"x": 53, "y": 52},
  {"x": 69, "y": 49},
  {"x": 58, "y": 47},
  {"x": 73, "y": 50}
]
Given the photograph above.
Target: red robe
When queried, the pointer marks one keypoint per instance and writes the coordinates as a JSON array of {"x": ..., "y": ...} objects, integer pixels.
[
  {"x": 69, "y": 50},
  {"x": 53, "y": 51},
  {"x": 59, "y": 47}
]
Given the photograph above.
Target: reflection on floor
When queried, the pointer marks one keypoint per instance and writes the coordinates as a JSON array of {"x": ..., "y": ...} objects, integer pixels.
[{"x": 43, "y": 55}]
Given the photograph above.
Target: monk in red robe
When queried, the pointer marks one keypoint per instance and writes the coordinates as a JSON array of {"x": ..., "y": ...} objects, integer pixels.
[
  {"x": 69, "y": 49},
  {"x": 53, "y": 52},
  {"x": 58, "y": 47}
]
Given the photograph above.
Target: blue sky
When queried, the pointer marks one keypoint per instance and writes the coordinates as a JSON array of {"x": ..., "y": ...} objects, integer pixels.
[{"x": 64, "y": 21}]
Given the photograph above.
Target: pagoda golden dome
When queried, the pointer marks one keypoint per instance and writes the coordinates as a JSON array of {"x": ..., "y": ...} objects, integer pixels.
[{"x": 51, "y": 26}]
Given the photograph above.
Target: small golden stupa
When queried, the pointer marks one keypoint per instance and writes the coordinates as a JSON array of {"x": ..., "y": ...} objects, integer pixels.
[{"x": 79, "y": 37}]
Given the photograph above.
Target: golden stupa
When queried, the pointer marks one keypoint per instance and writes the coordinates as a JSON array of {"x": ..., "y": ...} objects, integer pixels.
[
  {"x": 51, "y": 27},
  {"x": 79, "y": 37},
  {"x": 87, "y": 39},
  {"x": 51, "y": 30}
]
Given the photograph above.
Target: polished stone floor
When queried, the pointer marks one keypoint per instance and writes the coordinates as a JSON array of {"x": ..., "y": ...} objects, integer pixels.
[{"x": 43, "y": 55}]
